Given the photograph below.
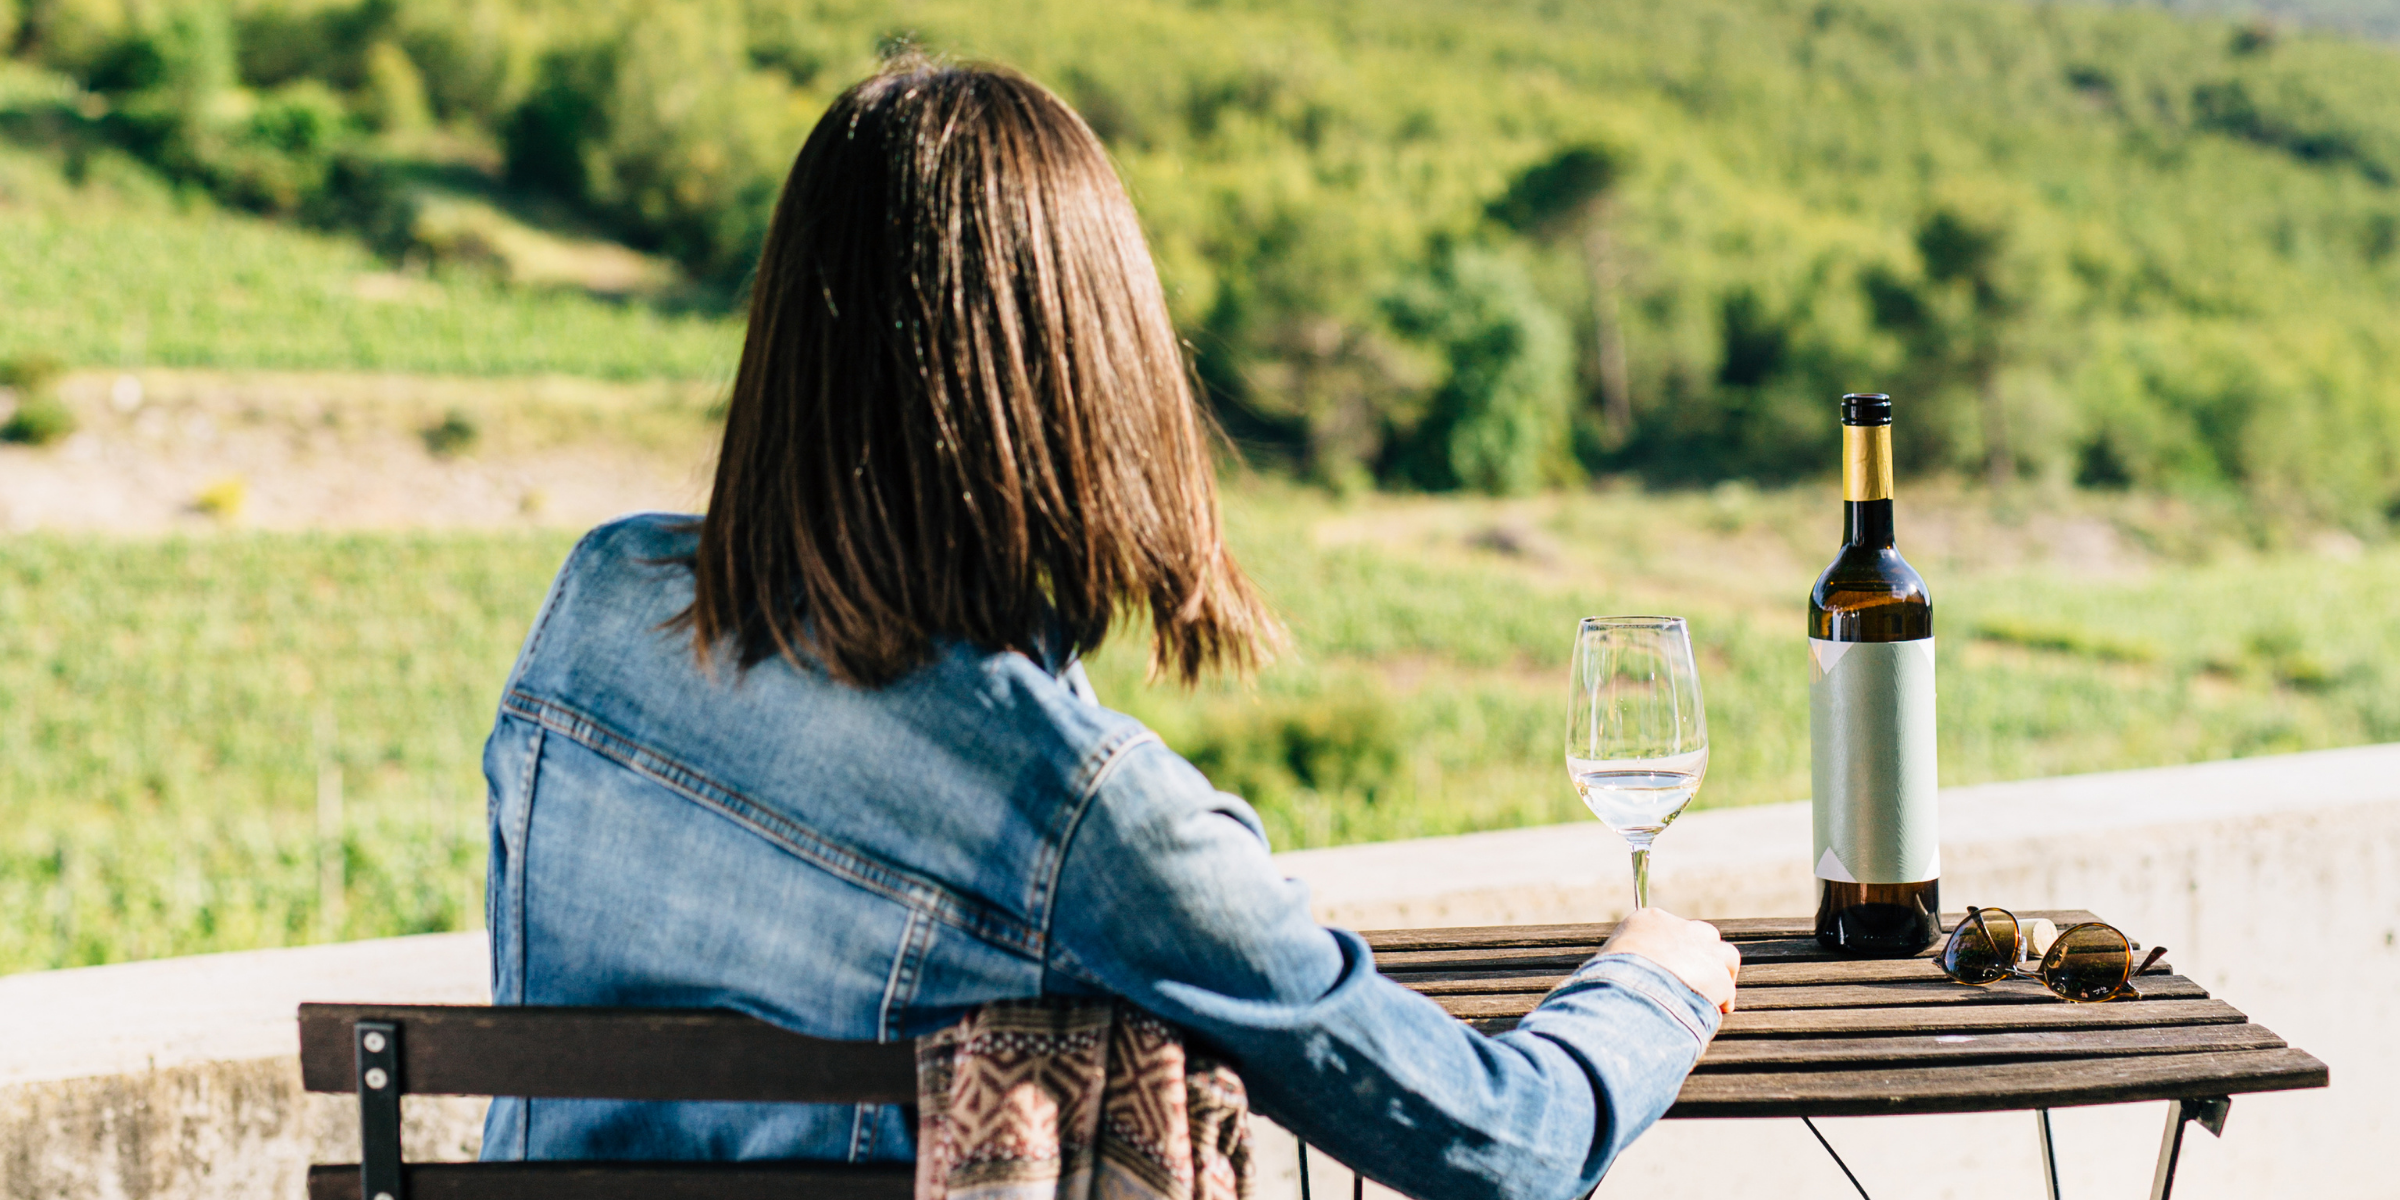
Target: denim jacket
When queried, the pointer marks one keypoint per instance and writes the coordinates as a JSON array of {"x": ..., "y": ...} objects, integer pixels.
[{"x": 870, "y": 864}]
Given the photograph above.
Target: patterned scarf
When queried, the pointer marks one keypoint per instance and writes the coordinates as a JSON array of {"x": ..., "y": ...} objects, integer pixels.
[{"x": 1076, "y": 1100}]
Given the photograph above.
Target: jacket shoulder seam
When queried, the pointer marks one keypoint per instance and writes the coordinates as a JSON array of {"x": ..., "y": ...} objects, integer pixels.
[
  {"x": 558, "y": 590},
  {"x": 1104, "y": 763}
]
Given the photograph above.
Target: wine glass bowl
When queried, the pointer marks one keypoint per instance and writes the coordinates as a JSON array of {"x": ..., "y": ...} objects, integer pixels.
[{"x": 1637, "y": 734}]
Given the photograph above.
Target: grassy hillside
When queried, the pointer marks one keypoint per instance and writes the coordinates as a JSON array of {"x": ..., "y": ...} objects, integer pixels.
[
  {"x": 2108, "y": 245},
  {"x": 171, "y": 712},
  {"x": 120, "y": 272}
]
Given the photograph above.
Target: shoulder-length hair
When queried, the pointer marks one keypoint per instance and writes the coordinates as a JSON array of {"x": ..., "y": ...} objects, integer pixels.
[{"x": 961, "y": 409}]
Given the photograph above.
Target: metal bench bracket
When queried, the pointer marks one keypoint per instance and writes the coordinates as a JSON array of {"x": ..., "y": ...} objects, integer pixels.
[{"x": 379, "y": 1176}]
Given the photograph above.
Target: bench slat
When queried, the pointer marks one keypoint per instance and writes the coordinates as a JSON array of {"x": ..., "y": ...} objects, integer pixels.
[
  {"x": 629, "y": 1181},
  {"x": 606, "y": 1054}
]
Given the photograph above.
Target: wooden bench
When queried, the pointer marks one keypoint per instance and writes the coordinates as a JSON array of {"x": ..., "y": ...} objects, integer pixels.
[{"x": 382, "y": 1052}]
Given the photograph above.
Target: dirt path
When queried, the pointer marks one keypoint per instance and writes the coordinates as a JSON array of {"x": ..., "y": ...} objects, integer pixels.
[{"x": 161, "y": 451}]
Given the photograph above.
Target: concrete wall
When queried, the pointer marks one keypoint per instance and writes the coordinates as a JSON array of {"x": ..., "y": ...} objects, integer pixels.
[
  {"x": 180, "y": 1078},
  {"x": 2276, "y": 881}
]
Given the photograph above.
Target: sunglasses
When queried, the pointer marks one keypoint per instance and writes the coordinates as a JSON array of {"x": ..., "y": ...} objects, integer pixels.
[{"x": 2087, "y": 964}]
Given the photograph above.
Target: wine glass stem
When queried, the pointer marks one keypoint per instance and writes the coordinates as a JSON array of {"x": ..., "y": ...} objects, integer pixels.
[{"x": 1641, "y": 871}]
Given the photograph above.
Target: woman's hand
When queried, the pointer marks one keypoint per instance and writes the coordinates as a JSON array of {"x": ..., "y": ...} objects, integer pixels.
[{"x": 1689, "y": 950}]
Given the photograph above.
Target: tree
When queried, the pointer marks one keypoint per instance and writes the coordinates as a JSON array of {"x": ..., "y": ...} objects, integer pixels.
[
  {"x": 1572, "y": 194},
  {"x": 1957, "y": 319},
  {"x": 1497, "y": 423}
]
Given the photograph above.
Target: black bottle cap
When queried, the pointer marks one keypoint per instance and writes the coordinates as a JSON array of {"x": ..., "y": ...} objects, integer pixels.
[{"x": 1866, "y": 408}]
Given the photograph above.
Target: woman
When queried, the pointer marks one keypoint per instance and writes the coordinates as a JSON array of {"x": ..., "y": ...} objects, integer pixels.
[{"x": 825, "y": 755}]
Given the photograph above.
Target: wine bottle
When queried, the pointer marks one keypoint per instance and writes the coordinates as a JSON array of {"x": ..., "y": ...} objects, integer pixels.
[{"x": 1870, "y": 717}]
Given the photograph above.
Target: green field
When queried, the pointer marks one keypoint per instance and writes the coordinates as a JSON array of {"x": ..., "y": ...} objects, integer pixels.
[
  {"x": 118, "y": 272},
  {"x": 169, "y": 709}
]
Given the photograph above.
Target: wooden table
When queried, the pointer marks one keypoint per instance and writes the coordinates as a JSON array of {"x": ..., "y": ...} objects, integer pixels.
[{"x": 1819, "y": 1036}]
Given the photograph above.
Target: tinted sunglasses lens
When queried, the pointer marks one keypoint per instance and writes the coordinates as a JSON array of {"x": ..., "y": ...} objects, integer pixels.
[
  {"x": 1983, "y": 949},
  {"x": 2088, "y": 963}
]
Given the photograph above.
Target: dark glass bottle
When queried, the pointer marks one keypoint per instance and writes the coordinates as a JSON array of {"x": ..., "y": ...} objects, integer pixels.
[{"x": 1871, "y": 723}]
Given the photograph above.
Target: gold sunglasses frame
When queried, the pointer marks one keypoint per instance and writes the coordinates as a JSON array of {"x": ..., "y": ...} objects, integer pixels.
[{"x": 2124, "y": 990}]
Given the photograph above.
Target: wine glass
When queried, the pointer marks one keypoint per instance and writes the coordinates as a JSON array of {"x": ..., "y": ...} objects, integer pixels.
[{"x": 1637, "y": 740}]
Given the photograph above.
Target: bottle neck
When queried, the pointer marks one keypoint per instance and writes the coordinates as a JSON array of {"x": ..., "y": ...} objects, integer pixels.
[
  {"x": 1867, "y": 484},
  {"x": 1868, "y": 523}
]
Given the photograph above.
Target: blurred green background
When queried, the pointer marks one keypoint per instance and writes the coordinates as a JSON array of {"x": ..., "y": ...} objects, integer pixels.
[
  {"x": 1515, "y": 311},
  {"x": 1416, "y": 243}
]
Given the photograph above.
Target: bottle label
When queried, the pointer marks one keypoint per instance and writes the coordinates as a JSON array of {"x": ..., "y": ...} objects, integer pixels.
[{"x": 1871, "y": 761}]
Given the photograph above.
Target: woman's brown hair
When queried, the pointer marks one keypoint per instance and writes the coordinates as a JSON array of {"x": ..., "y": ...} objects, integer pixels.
[{"x": 961, "y": 409}]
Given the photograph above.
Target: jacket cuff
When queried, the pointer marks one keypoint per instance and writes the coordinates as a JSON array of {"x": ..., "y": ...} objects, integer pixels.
[{"x": 1637, "y": 975}]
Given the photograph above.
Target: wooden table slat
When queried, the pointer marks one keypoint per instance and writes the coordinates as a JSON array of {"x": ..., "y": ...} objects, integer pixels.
[
  {"x": 1843, "y": 1053},
  {"x": 1943, "y": 993},
  {"x": 1502, "y": 980},
  {"x": 1935, "y": 1089},
  {"x": 1592, "y": 934},
  {"x": 1971, "y": 1019},
  {"x": 1979, "y": 1018},
  {"x": 1530, "y": 958},
  {"x": 1568, "y": 958},
  {"x": 1938, "y": 995}
]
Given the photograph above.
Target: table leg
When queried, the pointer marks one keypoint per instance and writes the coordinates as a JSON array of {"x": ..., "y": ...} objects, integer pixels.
[
  {"x": 2041, "y": 1118},
  {"x": 2209, "y": 1111},
  {"x": 1837, "y": 1159}
]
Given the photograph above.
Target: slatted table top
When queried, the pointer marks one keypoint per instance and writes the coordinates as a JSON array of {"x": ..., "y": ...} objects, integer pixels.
[{"x": 1818, "y": 1035}]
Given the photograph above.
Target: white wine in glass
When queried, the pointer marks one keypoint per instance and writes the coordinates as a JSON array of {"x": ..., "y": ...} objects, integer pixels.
[{"x": 1637, "y": 737}]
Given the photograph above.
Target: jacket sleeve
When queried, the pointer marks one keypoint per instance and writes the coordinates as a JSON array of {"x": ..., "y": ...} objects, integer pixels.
[{"x": 1166, "y": 896}]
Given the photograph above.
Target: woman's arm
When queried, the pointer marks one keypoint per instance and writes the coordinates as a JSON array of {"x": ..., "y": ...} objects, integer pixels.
[{"x": 1166, "y": 896}]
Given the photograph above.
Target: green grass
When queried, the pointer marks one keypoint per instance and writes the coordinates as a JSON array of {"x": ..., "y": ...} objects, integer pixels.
[
  {"x": 166, "y": 706},
  {"x": 115, "y": 272}
]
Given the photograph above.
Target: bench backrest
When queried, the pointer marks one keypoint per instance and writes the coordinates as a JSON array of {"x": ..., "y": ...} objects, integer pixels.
[{"x": 382, "y": 1052}]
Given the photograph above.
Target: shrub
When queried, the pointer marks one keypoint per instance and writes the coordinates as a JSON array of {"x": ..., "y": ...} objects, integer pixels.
[
  {"x": 30, "y": 374},
  {"x": 393, "y": 98},
  {"x": 665, "y": 130},
  {"x": 38, "y": 418},
  {"x": 456, "y": 433},
  {"x": 223, "y": 499},
  {"x": 1331, "y": 746},
  {"x": 1498, "y": 421},
  {"x": 38, "y": 421},
  {"x": 176, "y": 102}
]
